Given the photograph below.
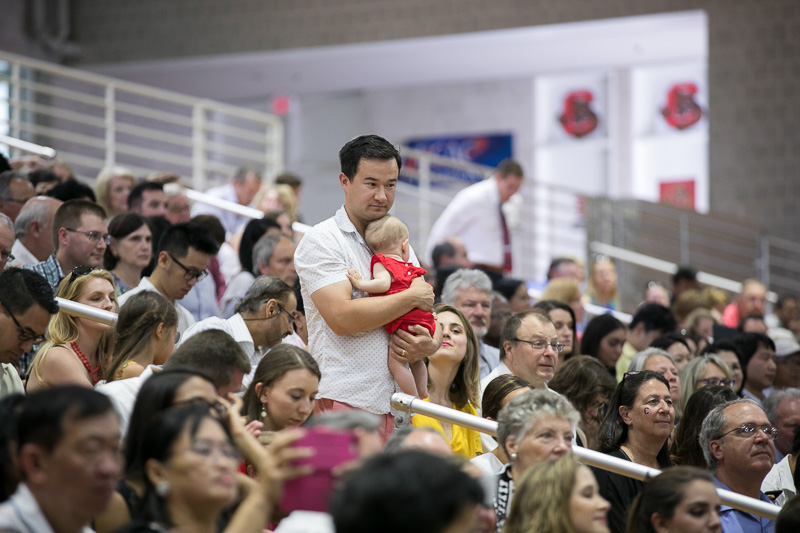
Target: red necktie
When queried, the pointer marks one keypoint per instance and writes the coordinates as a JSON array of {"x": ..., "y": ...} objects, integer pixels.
[{"x": 506, "y": 243}]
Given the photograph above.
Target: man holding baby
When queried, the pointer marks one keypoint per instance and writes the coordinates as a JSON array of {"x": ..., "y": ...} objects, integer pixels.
[{"x": 346, "y": 326}]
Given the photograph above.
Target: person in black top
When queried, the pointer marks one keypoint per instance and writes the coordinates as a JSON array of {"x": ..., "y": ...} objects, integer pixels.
[{"x": 636, "y": 428}]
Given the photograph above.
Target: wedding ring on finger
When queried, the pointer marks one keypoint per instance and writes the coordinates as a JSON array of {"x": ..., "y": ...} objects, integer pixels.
[{"x": 403, "y": 353}]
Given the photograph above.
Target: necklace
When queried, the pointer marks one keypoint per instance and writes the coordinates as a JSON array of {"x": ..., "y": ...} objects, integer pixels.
[{"x": 94, "y": 374}]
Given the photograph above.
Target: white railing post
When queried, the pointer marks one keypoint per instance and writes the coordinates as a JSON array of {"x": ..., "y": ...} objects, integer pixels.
[
  {"x": 424, "y": 203},
  {"x": 198, "y": 147},
  {"x": 15, "y": 101},
  {"x": 110, "y": 125}
]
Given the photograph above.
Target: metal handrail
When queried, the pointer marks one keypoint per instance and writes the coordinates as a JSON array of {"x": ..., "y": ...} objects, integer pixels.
[
  {"x": 592, "y": 309},
  {"x": 69, "y": 307},
  {"x": 43, "y": 151},
  {"x": 660, "y": 265},
  {"x": 407, "y": 404}
]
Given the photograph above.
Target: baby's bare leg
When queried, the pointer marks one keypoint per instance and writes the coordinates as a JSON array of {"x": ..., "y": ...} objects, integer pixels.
[
  {"x": 402, "y": 374},
  {"x": 420, "y": 373}
]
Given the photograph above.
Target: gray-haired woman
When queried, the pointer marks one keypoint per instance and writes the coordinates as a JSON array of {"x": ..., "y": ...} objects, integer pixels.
[{"x": 536, "y": 426}]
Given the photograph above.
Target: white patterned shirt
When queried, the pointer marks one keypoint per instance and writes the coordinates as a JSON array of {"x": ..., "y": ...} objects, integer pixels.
[
  {"x": 354, "y": 367},
  {"x": 185, "y": 318}
]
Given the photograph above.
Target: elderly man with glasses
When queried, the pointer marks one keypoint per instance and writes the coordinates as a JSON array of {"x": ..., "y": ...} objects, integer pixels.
[
  {"x": 262, "y": 318},
  {"x": 26, "y": 304},
  {"x": 737, "y": 441},
  {"x": 183, "y": 255}
]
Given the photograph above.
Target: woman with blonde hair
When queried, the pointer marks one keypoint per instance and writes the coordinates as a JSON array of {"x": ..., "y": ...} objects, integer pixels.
[
  {"x": 146, "y": 332},
  {"x": 453, "y": 379},
  {"x": 558, "y": 497},
  {"x": 603, "y": 288},
  {"x": 77, "y": 349},
  {"x": 702, "y": 371},
  {"x": 113, "y": 186},
  {"x": 566, "y": 290}
]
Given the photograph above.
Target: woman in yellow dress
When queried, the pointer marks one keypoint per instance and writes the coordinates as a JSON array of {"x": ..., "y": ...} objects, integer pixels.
[{"x": 453, "y": 379}]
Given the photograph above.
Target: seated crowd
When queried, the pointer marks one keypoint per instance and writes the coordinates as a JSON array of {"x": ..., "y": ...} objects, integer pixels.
[{"x": 234, "y": 377}]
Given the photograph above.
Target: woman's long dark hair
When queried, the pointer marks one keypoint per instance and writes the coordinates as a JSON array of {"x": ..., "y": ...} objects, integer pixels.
[
  {"x": 156, "y": 395},
  {"x": 685, "y": 447},
  {"x": 163, "y": 430},
  {"x": 596, "y": 329},
  {"x": 613, "y": 431}
]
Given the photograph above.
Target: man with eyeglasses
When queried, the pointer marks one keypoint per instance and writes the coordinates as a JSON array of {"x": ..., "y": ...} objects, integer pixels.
[
  {"x": 183, "y": 255},
  {"x": 80, "y": 237},
  {"x": 737, "y": 442},
  {"x": 263, "y": 317},
  {"x": 15, "y": 190},
  {"x": 529, "y": 349},
  {"x": 26, "y": 304}
]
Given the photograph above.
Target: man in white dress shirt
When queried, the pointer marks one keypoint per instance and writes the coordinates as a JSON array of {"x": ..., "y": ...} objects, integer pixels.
[
  {"x": 263, "y": 317},
  {"x": 241, "y": 190},
  {"x": 345, "y": 326},
  {"x": 183, "y": 254},
  {"x": 476, "y": 215}
]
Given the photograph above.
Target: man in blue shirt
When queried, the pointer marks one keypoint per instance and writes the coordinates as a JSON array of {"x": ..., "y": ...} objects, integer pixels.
[{"x": 737, "y": 441}]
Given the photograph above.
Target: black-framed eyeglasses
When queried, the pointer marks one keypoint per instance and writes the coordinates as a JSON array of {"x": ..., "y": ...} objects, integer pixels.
[
  {"x": 281, "y": 309},
  {"x": 717, "y": 381},
  {"x": 749, "y": 430},
  {"x": 541, "y": 346},
  {"x": 25, "y": 333},
  {"x": 94, "y": 236},
  {"x": 630, "y": 374},
  {"x": 189, "y": 273},
  {"x": 7, "y": 255}
]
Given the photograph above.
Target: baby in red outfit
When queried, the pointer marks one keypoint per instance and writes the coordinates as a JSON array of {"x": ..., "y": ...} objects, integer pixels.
[{"x": 392, "y": 272}]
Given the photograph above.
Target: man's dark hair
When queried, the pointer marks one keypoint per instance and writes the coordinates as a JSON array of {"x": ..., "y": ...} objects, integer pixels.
[
  {"x": 748, "y": 344},
  {"x": 433, "y": 492},
  {"x": 43, "y": 175},
  {"x": 366, "y": 147},
  {"x": 4, "y": 164},
  {"x": 69, "y": 214},
  {"x": 43, "y": 414},
  {"x": 263, "y": 289},
  {"x": 788, "y": 520},
  {"x": 654, "y": 317},
  {"x": 556, "y": 263},
  {"x": 253, "y": 231},
  {"x": 445, "y": 249},
  {"x": 21, "y": 288},
  {"x": 212, "y": 225},
  {"x": 668, "y": 339},
  {"x": 137, "y": 193},
  {"x": 509, "y": 167},
  {"x": 292, "y": 180},
  {"x": 177, "y": 240},
  {"x": 684, "y": 273},
  {"x": 72, "y": 190},
  {"x": 212, "y": 352}
]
